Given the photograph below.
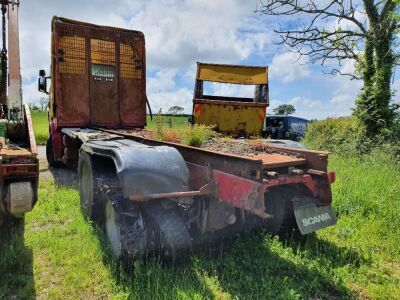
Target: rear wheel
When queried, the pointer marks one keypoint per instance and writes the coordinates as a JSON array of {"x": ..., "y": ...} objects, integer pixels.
[
  {"x": 90, "y": 171},
  {"x": 125, "y": 228},
  {"x": 135, "y": 232},
  {"x": 172, "y": 239},
  {"x": 278, "y": 203},
  {"x": 50, "y": 153}
]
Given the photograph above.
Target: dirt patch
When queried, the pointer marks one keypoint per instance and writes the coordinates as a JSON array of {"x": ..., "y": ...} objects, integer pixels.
[
  {"x": 62, "y": 176},
  {"x": 236, "y": 147},
  {"x": 218, "y": 144}
]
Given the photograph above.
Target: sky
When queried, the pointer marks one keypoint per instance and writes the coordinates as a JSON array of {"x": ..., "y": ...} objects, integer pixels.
[{"x": 179, "y": 33}]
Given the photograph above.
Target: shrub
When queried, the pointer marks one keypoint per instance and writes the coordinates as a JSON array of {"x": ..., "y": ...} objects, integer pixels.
[
  {"x": 171, "y": 135},
  {"x": 343, "y": 135},
  {"x": 346, "y": 136},
  {"x": 196, "y": 135}
]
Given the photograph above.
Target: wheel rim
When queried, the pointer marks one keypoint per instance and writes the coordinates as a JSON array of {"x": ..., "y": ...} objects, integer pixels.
[
  {"x": 113, "y": 230},
  {"x": 85, "y": 189}
]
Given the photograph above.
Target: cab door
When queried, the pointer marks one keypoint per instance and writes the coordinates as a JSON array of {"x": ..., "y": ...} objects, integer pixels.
[{"x": 104, "y": 104}]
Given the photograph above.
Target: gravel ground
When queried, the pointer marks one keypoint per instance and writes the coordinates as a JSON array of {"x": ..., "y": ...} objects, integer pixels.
[{"x": 62, "y": 176}]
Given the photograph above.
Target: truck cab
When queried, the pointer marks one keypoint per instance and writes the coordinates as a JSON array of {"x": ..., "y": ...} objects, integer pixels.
[
  {"x": 284, "y": 127},
  {"x": 98, "y": 80}
]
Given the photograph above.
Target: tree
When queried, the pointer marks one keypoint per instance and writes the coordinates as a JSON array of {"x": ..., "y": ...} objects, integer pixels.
[
  {"x": 284, "y": 109},
  {"x": 340, "y": 31},
  {"x": 174, "y": 110},
  {"x": 33, "y": 106},
  {"x": 44, "y": 103}
]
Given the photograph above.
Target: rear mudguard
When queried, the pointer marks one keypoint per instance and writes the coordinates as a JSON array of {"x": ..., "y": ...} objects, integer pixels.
[{"x": 143, "y": 169}]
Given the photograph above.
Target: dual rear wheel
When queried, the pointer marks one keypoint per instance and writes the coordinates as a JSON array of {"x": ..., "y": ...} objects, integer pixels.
[{"x": 134, "y": 231}]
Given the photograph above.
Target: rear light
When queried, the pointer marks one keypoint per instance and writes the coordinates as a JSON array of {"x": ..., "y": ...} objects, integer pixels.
[
  {"x": 331, "y": 177},
  {"x": 19, "y": 169}
]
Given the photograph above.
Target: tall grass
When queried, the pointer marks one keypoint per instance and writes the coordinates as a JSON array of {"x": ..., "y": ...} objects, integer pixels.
[
  {"x": 61, "y": 255},
  {"x": 40, "y": 126},
  {"x": 193, "y": 135}
]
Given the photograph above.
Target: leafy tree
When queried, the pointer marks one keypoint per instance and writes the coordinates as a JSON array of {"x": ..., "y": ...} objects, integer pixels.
[
  {"x": 44, "y": 103},
  {"x": 33, "y": 106},
  {"x": 363, "y": 31},
  {"x": 284, "y": 109},
  {"x": 174, "y": 110}
]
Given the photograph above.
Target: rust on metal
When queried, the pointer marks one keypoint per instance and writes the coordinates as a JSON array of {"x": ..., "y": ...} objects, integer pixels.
[
  {"x": 277, "y": 160},
  {"x": 207, "y": 190},
  {"x": 237, "y": 74},
  {"x": 241, "y": 193},
  {"x": 245, "y": 167},
  {"x": 231, "y": 115},
  {"x": 99, "y": 75},
  {"x": 31, "y": 134},
  {"x": 249, "y": 176},
  {"x": 14, "y": 73}
]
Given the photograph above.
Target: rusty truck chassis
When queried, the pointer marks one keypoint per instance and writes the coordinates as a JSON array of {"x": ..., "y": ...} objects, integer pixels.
[{"x": 242, "y": 182}]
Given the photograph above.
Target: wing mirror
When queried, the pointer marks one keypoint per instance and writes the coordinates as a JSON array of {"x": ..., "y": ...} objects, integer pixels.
[{"x": 42, "y": 82}]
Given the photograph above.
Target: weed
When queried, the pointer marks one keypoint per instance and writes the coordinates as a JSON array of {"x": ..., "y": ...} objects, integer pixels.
[
  {"x": 257, "y": 144},
  {"x": 172, "y": 135},
  {"x": 196, "y": 135},
  {"x": 159, "y": 122}
]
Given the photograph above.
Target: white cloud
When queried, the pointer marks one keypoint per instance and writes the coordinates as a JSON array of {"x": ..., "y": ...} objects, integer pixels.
[
  {"x": 180, "y": 97},
  {"x": 179, "y": 33},
  {"x": 341, "y": 99},
  {"x": 287, "y": 67},
  {"x": 230, "y": 90},
  {"x": 164, "y": 80}
]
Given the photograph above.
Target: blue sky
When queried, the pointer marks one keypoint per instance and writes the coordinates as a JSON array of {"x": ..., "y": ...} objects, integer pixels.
[{"x": 179, "y": 33}]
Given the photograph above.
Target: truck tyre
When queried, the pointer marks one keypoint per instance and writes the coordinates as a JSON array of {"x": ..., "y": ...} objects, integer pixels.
[
  {"x": 170, "y": 233},
  {"x": 50, "y": 153},
  {"x": 88, "y": 172},
  {"x": 278, "y": 204},
  {"x": 125, "y": 228}
]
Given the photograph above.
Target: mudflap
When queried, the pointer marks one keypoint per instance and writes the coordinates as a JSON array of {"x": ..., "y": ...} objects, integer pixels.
[{"x": 311, "y": 217}]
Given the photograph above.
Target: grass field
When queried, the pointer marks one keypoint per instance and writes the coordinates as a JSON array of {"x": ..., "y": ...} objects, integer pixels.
[
  {"x": 60, "y": 255},
  {"x": 41, "y": 124}
]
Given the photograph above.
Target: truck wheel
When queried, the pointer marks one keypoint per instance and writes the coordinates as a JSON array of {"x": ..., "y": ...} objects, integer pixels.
[
  {"x": 50, "y": 153},
  {"x": 124, "y": 228},
  {"x": 113, "y": 229},
  {"x": 88, "y": 172},
  {"x": 170, "y": 233},
  {"x": 278, "y": 203}
]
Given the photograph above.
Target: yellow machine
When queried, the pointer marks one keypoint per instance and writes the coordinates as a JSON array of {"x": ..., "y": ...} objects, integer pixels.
[{"x": 231, "y": 115}]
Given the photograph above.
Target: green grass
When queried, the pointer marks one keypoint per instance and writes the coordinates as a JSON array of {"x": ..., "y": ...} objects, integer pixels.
[
  {"x": 61, "y": 255},
  {"x": 166, "y": 121},
  {"x": 40, "y": 126}
]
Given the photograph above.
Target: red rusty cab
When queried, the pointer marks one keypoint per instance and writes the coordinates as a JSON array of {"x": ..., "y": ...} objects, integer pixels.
[{"x": 100, "y": 76}]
